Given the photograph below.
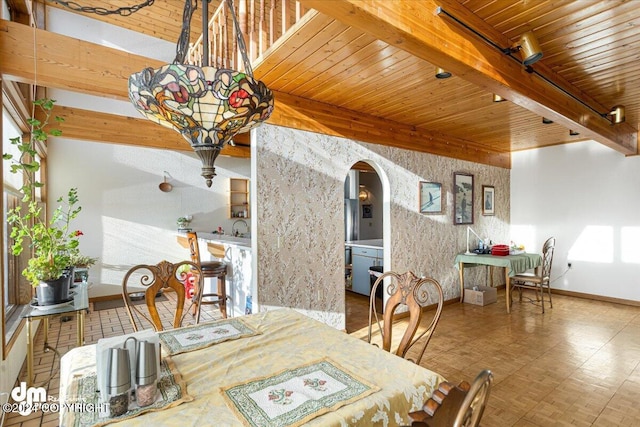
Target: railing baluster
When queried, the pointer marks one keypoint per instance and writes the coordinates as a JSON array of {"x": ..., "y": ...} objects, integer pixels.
[
  {"x": 262, "y": 30},
  {"x": 262, "y": 23},
  {"x": 285, "y": 15}
]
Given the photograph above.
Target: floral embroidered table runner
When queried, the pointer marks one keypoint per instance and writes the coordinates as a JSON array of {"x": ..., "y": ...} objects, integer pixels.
[
  {"x": 83, "y": 409},
  {"x": 181, "y": 340},
  {"x": 294, "y": 396}
]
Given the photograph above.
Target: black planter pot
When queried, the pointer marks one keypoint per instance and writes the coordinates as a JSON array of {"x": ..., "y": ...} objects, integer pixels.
[{"x": 56, "y": 291}]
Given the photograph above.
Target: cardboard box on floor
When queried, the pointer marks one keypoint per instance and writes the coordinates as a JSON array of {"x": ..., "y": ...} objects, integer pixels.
[{"x": 482, "y": 296}]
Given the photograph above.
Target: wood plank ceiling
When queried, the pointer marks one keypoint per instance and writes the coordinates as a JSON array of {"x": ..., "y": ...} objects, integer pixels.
[{"x": 356, "y": 72}]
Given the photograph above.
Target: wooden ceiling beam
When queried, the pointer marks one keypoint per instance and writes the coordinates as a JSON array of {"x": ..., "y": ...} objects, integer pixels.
[
  {"x": 62, "y": 62},
  {"x": 67, "y": 63},
  {"x": 71, "y": 64},
  {"x": 102, "y": 127},
  {"x": 299, "y": 113},
  {"x": 416, "y": 28}
]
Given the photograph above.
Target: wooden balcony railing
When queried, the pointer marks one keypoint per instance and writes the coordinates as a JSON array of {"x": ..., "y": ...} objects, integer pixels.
[{"x": 262, "y": 23}]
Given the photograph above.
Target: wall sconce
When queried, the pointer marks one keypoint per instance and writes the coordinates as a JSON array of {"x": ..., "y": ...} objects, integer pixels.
[
  {"x": 442, "y": 73},
  {"x": 363, "y": 195},
  {"x": 546, "y": 121},
  {"x": 498, "y": 98},
  {"x": 617, "y": 114},
  {"x": 528, "y": 47},
  {"x": 164, "y": 186}
]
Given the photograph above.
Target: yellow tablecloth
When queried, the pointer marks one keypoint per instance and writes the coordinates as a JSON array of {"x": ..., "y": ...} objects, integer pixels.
[{"x": 288, "y": 340}]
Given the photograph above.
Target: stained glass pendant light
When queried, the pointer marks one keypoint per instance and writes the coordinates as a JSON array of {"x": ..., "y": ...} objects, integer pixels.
[{"x": 206, "y": 105}]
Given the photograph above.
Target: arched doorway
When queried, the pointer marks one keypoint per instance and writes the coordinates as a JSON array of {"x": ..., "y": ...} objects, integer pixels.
[{"x": 366, "y": 209}]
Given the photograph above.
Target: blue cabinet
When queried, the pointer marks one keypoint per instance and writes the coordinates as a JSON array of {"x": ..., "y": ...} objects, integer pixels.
[{"x": 362, "y": 258}]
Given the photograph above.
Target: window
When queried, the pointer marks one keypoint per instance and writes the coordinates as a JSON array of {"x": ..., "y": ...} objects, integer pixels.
[{"x": 15, "y": 291}]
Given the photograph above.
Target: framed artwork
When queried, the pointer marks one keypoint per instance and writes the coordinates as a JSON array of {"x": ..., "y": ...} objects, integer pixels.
[
  {"x": 430, "y": 198},
  {"x": 463, "y": 198},
  {"x": 488, "y": 200},
  {"x": 367, "y": 211}
]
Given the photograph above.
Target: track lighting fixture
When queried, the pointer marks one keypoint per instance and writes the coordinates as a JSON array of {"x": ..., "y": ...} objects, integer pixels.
[
  {"x": 573, "y": 133},
  {"x": 498, "y": 98},
  {"x": 528, "y": 47},
  {"x": 617, "y": 114},
  {"x": 442, "y": 73},
  {"x": 531, "y": 52}
]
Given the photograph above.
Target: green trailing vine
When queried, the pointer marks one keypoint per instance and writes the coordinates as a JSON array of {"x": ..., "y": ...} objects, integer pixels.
[{"x": 54, "y": 243}]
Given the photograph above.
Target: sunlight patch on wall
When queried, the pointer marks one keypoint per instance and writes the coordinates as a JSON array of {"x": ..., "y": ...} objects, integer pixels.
[
  {"x": 629, "y": 249},
  {"x": 524, "y": 235},
  {"x": 595, "y": 244}
]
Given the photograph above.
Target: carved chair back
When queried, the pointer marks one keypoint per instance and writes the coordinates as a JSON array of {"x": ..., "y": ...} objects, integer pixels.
[
  {"x": 415, "y": 293},
  {"x": 154, "y": 279},
  {"x": 459, "y": 405}
]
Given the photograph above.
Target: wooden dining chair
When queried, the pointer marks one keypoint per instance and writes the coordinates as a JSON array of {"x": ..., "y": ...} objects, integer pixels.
[
  {"x": 154, "y": 279},
  {"x": 540, "y": 279},
  {"x": 414, "y": 293},
  {"x": 452, "y": 405},
  {"x": 209, "y": 269}
]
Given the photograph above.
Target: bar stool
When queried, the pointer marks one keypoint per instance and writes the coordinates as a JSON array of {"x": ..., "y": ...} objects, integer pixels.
[{"x": 210, "y": 269}]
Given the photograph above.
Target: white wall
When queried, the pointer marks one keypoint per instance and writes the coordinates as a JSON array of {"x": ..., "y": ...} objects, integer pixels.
[
  {"x": 587, "y": 196},
  {"x": 125, "y": 218}
]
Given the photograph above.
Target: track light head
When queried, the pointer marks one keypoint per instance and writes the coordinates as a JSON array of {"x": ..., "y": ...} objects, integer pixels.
[
  {"x": 442, "y": 73},
  {"x": 498, "y": 98},
  {"x": 546, "y": 121},
  {"x": 617, "y": 114},
  {"x": 573, "y": 132},
  {"x": 529, "y": 48}
]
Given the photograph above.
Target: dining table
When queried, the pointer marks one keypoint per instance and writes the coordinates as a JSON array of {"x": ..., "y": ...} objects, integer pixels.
[
  {"x": 513, "y": 264},
  {"x": 272, "y": 368}
]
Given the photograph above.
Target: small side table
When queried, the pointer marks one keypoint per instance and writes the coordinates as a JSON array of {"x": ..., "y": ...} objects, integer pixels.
[{"x": 79, "y": 306}]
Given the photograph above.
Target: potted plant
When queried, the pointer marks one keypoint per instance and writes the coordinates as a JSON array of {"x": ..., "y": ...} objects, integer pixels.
[
  {"x": 183, "y": 223},
  {"x": 81, "y": 264},
  {"x": 53, "y": 243}
]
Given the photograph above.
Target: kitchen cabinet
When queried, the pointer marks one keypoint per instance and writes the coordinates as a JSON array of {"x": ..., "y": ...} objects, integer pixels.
[
  {"x": 361, "y": 259},
  {"x": 238, "y": 198}
]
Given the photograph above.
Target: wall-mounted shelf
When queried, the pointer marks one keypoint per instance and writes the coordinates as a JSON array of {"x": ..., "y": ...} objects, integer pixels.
[{"x": 239, "y": 198}]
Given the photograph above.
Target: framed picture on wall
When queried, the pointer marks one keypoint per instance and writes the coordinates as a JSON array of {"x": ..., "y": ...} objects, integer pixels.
[
  {"x": 463, "y": 198},
  {"x": 430, "y": 198},
  {"x": 488, "y": 200},
  {"x": 367, "y": 211}
]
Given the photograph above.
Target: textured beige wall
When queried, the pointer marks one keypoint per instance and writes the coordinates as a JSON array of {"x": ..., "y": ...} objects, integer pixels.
[{"x": 299, "y": 196}]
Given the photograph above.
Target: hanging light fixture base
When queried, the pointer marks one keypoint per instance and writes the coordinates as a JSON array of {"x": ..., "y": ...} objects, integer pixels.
[{"x": 207, "y": 156}]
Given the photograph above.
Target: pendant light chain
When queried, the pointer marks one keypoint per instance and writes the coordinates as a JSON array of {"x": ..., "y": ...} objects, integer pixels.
[
  {"x": 122, "y": 11},
  {"x": 183, "y": 41}
]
